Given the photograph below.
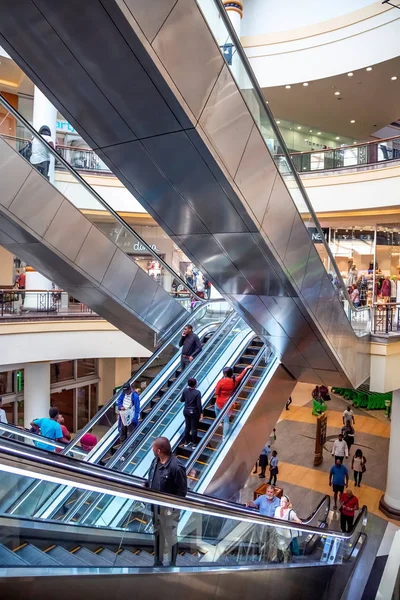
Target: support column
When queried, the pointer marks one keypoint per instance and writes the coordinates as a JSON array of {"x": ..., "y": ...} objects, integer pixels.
[
  {"x": 44, "y": 113},
  {"x": 6, "y": 268},
  {"x": 36, "y": 281},
  {"x": 36, "y": 391},
  {"x": 113, "y": 372},
  {"x": 390, "y": 502},
  {"x": 235, "y": 14}
]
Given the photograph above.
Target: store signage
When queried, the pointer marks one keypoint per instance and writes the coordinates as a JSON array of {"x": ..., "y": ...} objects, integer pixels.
[
  {"x": 354, "y": 234},
  {"x": 316, "y": 236},
  {"x": 65, "y": 127},
  {"x": 138, "y": 247}
]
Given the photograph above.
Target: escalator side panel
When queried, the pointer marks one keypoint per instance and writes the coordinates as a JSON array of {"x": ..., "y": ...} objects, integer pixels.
[
  {"x": 38, "y": 224},
  {"x": 249, "y": 584},
  {"x": 239, "y": 454}
]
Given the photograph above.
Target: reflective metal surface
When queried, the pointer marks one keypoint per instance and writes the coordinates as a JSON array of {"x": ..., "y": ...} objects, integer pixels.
[
  {"x": 43, "y": 228},
  {"x": 180, "y": 87}
]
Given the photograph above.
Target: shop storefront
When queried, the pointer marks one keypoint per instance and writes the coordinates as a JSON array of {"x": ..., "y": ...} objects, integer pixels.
[{"x": 73, "y": 390}]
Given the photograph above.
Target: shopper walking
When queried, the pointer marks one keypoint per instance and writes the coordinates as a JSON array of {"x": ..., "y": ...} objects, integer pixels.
[
  {"x": 224, "y": 390},
  {"x": 128, "y": 404},
  {"x": 349, "y": 505},
  {"x": 348, "y": 435},
  {"x": 40, "y": 157},
  {"x": 190, "y": 344},
  {"x": 192, "y": 411},
  {"x": 166, "y": 475},
  {"x": 263, "y": 459},
  {"x": 358, "y": 465},
  {"x": 3, "y": 416},
  {"x": 273, "y": 468},
  {"x": 340, "y": 448},
  {"x": 288, "y": 402},
  {"x": 338, "y": 479},
  {"x": 286, "y": 539},
  {"x": 348, "y": 415}
]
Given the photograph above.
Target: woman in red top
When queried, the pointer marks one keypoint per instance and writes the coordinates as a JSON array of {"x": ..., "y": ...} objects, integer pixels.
[
  {"x": 224, "y": 390},
  {"x": 349, "y": 506}
]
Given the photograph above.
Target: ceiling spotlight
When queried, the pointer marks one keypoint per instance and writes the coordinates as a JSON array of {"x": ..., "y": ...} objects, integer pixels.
[
  {"x": 350, "y": 74},
  {"x": 319, "y": 132},
  {"x": 299, "y": 127},
  {"x": 288, "y": 87},
  {"x": 305, "y": 84},
  {"x": 393, "y": 78},
  {"x": 368, "y": 69},
  {"x": 306, "y": 140},
  {"x": 352, "y": 121},
  {"x": 338, "y": 138},
  {"x": 337, "y": 93},
  {"x": 311, "y": 130}
]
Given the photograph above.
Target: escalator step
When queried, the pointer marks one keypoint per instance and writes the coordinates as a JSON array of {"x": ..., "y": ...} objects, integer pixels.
[
  {"x": 117, "y": 560},
  {"x": 8, "y": 558},
  {"x": 90, "y": 558},
  {"x": 64, "y": 557},
  {"x": 187, "y": 560},
  {"x": 139, "y": 558},
  {"x": 35, "y": 557}
]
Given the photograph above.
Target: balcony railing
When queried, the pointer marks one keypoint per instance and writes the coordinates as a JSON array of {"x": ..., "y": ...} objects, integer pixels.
[{"x": 16, "y": 304}]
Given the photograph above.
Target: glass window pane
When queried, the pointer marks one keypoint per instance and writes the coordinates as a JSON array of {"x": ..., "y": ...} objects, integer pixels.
[
  {"x": 64, "y": 401},
  {"x": 86, "y": 366},
  {"x": 62, "y": 371},
  {"x": 6, "y": 382},
  {"x": 83, "y": 406}
]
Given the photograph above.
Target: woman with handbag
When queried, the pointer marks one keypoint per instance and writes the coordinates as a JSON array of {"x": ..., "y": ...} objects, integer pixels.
[
  {"x": 128, "y": 406},
  {"x": 358, "y": 466},
  {"x": 286, "y": 539}
]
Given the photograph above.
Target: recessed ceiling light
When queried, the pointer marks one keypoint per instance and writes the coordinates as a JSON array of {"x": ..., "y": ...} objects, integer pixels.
[
  {"x": 337, "y": 93},
  {"x": 299, "y": 127},
  {"x": 306, "y": 140},
  {"x": 393, "y": 78},
  {"x": 350, "y": 74},
  {"x": 319, "y": 132},
  {"x": 311, "y": 130},
  {"x": 305, "y": 84},
  {"x": 368, "y": 69},
  {"x": 352, "y": 121},
  {"x": 338, "y": 138},
  {"x": 288, "y": 87},
  {"x": 278, "y": 122}
]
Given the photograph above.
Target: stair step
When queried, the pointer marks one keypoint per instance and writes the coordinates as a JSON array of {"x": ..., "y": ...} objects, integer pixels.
[
  {"x": 35, "y": 557},
  {"x": 8, "y": 558},
  {"x": 91, "y": 558},
  {"x": 65, "y": 558}
]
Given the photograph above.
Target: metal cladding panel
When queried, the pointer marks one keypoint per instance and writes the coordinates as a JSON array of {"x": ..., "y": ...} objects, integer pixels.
[
  {"x": 297, "y": 252},
  {"x": 149, "y": 21},
  {"x": 141, "y": 293},
  {"x": 120, "y": 274},
  {"x": 158, "y": 194},
  {"x": 195, "y": 62},
  {"x": 68, "y": 230},
  {"x": 95, "y": 254},
  {"x": 278, "y": 218},
  {"x": 36, "y": 203},
  {"x": 256, "y": 175},
  {"x": 248, "y": 257},
  {"x": 112, "y": 66},
  {"x": 227, "y": 122},
  {"x": 312, "y": 281},
  {"x": 13, "y": 173},
  {"x": 180, "y": 161},
  {"x": 215, "y": 262},
  {"x": 286, "y": 312},
  {"x": 234, "y": 468}
]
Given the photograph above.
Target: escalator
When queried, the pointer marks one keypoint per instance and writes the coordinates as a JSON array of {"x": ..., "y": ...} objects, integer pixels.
[
  {"x": 221, "y": 544},
  {"x": 197, "y": 129}
]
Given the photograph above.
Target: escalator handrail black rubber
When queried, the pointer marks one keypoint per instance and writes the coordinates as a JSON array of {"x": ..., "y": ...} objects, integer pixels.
[{"x": 17, "y": 458}]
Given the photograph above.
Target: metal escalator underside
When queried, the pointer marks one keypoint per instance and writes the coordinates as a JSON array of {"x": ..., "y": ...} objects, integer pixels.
[
  {"x": 38, "y": 224},
  {"x": 179, "y": 125}
]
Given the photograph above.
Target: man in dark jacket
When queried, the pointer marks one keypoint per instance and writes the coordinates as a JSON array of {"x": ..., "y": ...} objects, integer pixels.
[
  {"x": 192, "y": 412},
  {"x": 166, "y": 475},
  {"x": 190, "y": 344}
]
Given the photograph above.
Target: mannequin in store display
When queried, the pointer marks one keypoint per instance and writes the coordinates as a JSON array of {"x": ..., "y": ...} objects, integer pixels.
[
  {"x": 393, "y": 289},
  {"x": 352, "y": 276},
  {"x": 386, "y": 288}
]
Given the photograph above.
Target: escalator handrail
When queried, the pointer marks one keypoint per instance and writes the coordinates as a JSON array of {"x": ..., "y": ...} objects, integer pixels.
[
  {"x": 36, "y": 437},
  {"x": 200, "y": 448},
  {"x": 122, "y": 450},
  {"x": 138, "y": 373},
  {"x": 16, "y": 459},
  {"x": 59, "y": 158},
  {"x": 260, "y": 96}
]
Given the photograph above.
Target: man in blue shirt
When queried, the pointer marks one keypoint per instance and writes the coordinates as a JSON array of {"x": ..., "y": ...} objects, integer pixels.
[
  {"x": 266, "y": 504},
  {"x": 49, "y": 428},
  {"x": 338, "y": 479}
]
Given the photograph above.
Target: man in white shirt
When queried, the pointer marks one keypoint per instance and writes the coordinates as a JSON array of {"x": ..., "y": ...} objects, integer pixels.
[
  {"x": 3, "y": 416},
  {"x": 340, "y": 449},
  {"x": 348, "y": 415}
]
